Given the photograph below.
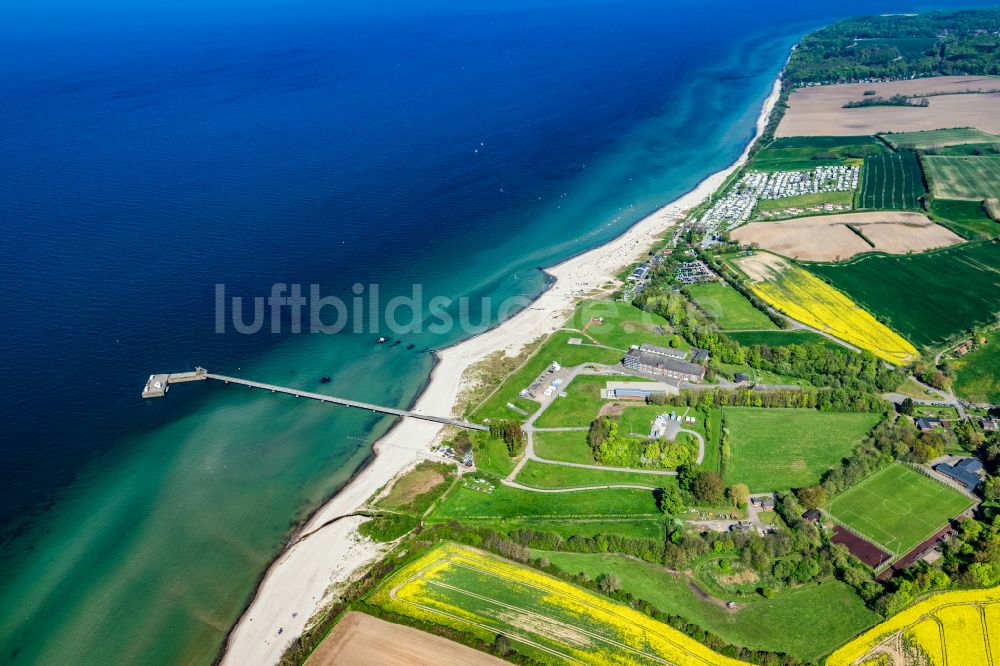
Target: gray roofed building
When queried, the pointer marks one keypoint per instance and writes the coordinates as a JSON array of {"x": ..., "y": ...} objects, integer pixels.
[
  {"x": 965, "y": 471},
  {"x": 663, "y": 351},
  {"x": 658, "y": 364}
]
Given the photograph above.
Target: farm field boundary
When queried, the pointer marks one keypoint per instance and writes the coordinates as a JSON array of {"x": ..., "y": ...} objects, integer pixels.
[{"x": 927, "y": 297}]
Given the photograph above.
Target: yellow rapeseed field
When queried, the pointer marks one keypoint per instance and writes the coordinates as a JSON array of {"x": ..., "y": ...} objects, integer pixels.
[
  {"x": 804, "y": 297},
  {"x": 474, "y": 591},
  {"x": 964, "y": 621}
]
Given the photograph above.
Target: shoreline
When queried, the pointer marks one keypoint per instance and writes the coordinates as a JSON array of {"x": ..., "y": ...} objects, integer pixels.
[{"x": 297, "y": 580}]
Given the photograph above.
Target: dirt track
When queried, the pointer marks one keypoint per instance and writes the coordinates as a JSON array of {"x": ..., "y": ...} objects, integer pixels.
[
  {"x": 363, "y": 639},
  {"x": 819, "y": 111},
  {"x": 828, "y": 237}
]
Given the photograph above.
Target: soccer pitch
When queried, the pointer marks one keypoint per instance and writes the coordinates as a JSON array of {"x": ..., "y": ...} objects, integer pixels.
[{"x": 898, "y": 507}]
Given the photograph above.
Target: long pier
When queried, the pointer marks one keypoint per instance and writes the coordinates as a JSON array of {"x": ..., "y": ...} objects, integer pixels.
[{"x": 157, "y": 386}]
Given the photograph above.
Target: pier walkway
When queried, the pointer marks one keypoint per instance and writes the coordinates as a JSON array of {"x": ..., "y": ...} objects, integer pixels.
[{"x": 158, "y": 385}]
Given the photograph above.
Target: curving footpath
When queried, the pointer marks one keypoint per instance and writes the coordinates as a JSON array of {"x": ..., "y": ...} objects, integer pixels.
[{"x": 529, "y": 454}]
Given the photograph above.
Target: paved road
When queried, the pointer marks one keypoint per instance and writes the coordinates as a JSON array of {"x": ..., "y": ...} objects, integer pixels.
[
  {"x": 754, "y": 511},
  {"x": 529, "y": 449},
  {"x": 514, "y": 484}
]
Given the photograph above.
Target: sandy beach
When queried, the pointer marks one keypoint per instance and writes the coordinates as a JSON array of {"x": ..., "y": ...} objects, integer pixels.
[{"x": 295, "y": 586}]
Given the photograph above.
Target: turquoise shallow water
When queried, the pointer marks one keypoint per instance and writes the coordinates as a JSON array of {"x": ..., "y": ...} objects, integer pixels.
[{"x": 149, "y": 158}]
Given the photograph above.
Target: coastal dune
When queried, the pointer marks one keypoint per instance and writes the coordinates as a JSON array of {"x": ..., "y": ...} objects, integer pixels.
[{"x": 324, "y": 553}]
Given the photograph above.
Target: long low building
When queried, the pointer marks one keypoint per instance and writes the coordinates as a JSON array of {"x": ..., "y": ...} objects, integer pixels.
[
  {"x": 636, "y": 390},
  {"x": 658, "y": 364}
]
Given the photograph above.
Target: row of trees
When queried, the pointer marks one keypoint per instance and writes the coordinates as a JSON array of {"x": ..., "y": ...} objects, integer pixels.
[{"x": 823, "y": 399}]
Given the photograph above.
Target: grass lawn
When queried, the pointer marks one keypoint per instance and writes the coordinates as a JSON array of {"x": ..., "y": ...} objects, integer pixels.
[
  {"x": 808, "y": 152},
  {"x": 712, "y": 432},
  {"x": 925, "y": 297},
  {"x": 782, "y": 338},
  {"x": 624, "y": 325},
  {"x": 785, "y": 623},
  {"x": 505, "y": 502},
  {"x": 491, "y": 456},
  {"x": 729, "y": 308},
  {"x": 544, "y": 475},
  {"x": 566, "y": 446},
  {"x": 778, "y": 449},
  {"x": 649, "y": 528},
  {"x": 968, "y": 177},
  {"x": 945, "y": 412},
  {"x": 729, "y": 371},
  {"x": 415, "y": 490},
  {"x": 978, "y": 374},
  {"x": 639, "y": 418},
  {"x": 966, "y": 218},
  {"x": 898, "y": 507},
  {"x": 555, "y": 348},
  {"x": 914, "y": 390},
  {"x": 581, "y": 404}
]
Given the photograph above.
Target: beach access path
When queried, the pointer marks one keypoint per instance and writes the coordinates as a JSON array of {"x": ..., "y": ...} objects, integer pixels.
[{"x": 300, "y": 582}]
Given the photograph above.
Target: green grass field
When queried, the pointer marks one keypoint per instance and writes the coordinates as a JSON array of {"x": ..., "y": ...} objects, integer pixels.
[
  {"x": 781, "y": 624},
  {"x": 624, "y": 325},
  {"x": 491, "y": 456},
  {"x": 543, "y": 475},
  {"x": 782, "y": 338},
  {"x": 506, "y": 503},
  {"x": 978, "y": 374},
  {"x": 914, "y": 390},
  {"x": 891, "y": 180},
  {"x": 581, "y": 404},
  {"x": 972, "y": 177},
  {"x": 555, "y": 348},
  {"x": 642, "y": 528},
  {"x": 925, "y": 297},
  {"x": 566, "y": 446},
  {"x": 808, "y": 152},
  {"x": 898, "y": 507},
  {"x": 729, "y": 308},
  {"x": 778, "y": 449},
  {"x": 938, "y": 138},
  {"x": 966, "y": 218}
]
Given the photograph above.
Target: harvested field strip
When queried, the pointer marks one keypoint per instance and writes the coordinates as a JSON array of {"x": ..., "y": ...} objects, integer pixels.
[
  {"x": 362, "y": 639},
  {"x": 891, "y": 180},
  {"x": 473, "y": 591},
  {"x": 958, "y": 622},
  {"x": 806, "y": 298},
  {"x": 840, "y": 237},
  {"x": 927, "y": 297},
  {"x": 973, "y": 177}
]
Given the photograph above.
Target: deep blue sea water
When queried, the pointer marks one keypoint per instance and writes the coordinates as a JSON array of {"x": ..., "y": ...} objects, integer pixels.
[{"x": 150, "y": 153}]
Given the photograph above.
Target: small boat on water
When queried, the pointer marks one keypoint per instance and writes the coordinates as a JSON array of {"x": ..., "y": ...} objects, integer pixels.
[{"x": 382, "y": 340}]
